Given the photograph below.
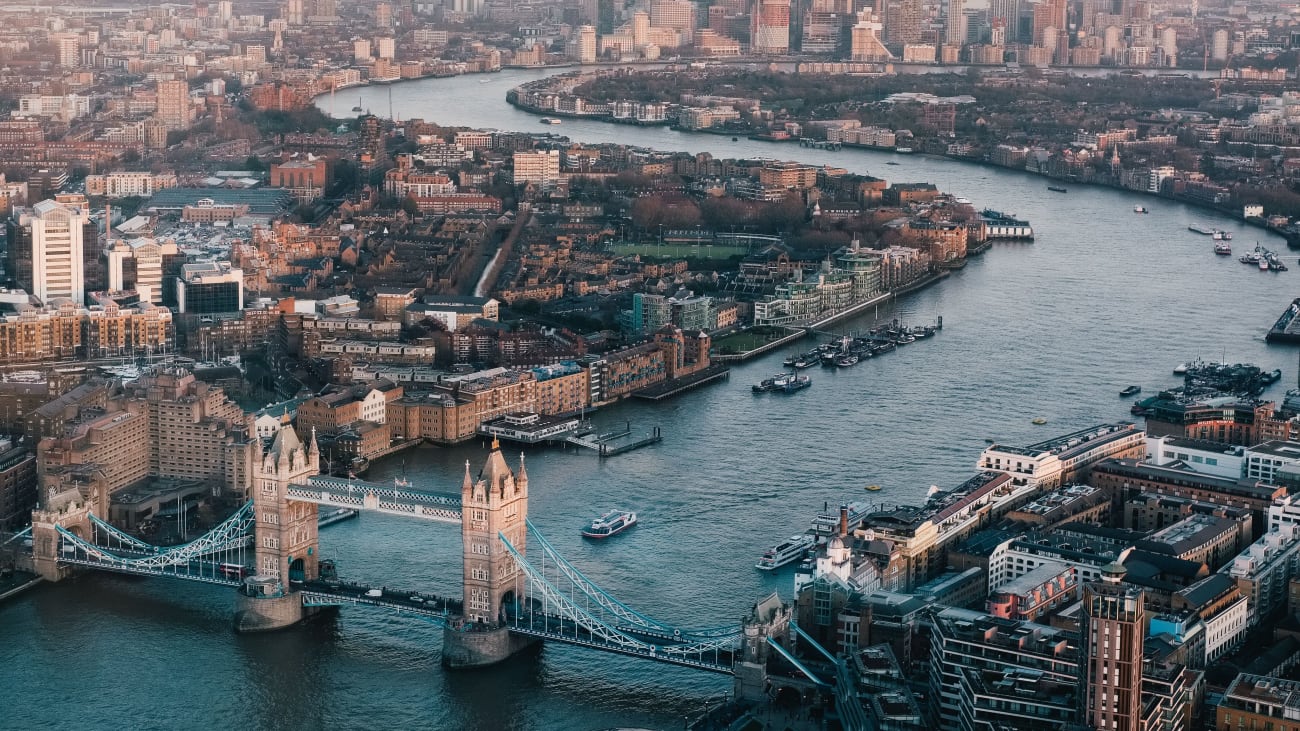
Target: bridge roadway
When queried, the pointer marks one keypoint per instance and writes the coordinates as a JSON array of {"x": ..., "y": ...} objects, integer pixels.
[
  {"x": 331, "y": 594},
  {"x": 394, "y": 499},
  {"x": 564, "y": 629},
  {"x": 544, "y": 626}
]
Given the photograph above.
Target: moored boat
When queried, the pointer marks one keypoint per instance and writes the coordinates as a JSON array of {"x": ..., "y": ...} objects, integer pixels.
[
  {"x": 796, "y": 383},
  {"x": 844, "y": 361},
  {"x": 1200, "y": 229},
  {"x": 1180, "y": 369},
  {"x": 550, "y": 120},
  {"x": 1131, "y": 390},
  {"x": 1223, "y": 248},
  {"x": 609, "y": 524},
  {"x": 785, "y": 552}
]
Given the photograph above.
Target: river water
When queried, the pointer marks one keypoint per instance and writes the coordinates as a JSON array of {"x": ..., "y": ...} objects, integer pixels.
[{"x": 1103, "y": 299}]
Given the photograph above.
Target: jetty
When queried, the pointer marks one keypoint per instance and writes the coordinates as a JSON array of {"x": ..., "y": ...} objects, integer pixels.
[
  {"x": 616, "y": 442},
  {"x": 1287, "y": 327}
]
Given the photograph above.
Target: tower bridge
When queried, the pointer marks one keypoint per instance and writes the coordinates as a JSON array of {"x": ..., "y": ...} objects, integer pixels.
[{"x": 269, "y": 549}]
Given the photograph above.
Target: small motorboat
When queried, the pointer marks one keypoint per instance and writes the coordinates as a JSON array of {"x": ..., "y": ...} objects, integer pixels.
[
  {"x": 1130, "y": 391},
  {"x": 1180, "y": 369},
  {"x": 1039, "y": 421},
  {"x": 1140, "y": 209},
  {"x": 1057, "y": 189},
  {"x": 873, "y": 488}
]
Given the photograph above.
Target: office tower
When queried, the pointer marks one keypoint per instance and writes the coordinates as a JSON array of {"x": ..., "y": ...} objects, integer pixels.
[
  {"x": 1008, "y": 11},
  {"x": 1113, "y": 629},
  {"x": 640, "y": 29},
  {"x": 584, "y": 44},
  {"x": 55, "y": 231},
  {"x": 955, "y": 26},
  {"x": 678, "y": 15},
  {"x": 770, "y": 27},
  {"x": 903, "y": 22}
]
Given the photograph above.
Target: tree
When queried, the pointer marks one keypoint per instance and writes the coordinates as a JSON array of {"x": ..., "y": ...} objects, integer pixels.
[
  {"x": 410, "y": 206},
  {"x": 252, "y": 163}
]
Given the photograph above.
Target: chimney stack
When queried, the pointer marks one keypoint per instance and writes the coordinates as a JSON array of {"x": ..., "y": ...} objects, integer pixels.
[{"x": 844, "y": 521}]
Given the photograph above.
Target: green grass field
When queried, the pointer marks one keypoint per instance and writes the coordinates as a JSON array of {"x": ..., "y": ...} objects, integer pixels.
[
  {"x": 679, "y": 251},
  {"x": 746, "y": 340}
]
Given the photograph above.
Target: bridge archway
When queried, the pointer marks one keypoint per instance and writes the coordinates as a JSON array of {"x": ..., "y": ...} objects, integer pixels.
[
  {"x": 297, "y": 571},
  {"x": 510, "y": 606}
]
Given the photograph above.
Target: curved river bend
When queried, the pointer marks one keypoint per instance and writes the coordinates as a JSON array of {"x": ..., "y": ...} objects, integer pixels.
[{"x": 1102, "y": 299}]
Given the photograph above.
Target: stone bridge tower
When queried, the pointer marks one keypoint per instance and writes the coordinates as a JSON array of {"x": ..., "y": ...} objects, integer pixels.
[
  {"x": 285, "y": 534},
  {"x": 497, "y": 502},
  {"x": 69, "y": 510}
]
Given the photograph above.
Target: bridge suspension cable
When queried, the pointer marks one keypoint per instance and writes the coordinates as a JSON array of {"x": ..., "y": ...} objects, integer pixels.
[
  {"x": 605, "y": 600},
  {"x": 219, "y": 556},
  {"x": 570, "y": 616}
]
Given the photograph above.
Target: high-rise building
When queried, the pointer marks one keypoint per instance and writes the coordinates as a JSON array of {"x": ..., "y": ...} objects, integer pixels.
[
  {"x": 67, "y": 49},
  {"x": 640, "y": 29},
  {"x": 383, "y": 15},
  {"x": 386, "y": 47},
  {"x": 903, "y": 23},
  {"x": 56, "y": 231},
  {"x": 293, "y": 12},
  {"x": 1113, "y": 628},
  {"x": 770, "y": 27},
  {"x": 954, "y": 31},
  {"x": 678, "y": 15},
  {"x": 584, "y": 44},
  {"x": 174, "y": 108},
  {"x": 1007, "y": 11}
]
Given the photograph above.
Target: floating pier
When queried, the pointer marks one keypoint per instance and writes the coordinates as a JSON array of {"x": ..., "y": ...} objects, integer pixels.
[{"x": 617, "y": 442}]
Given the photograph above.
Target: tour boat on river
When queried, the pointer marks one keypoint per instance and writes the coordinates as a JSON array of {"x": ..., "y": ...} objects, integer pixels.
[
  {"x": 785, "y": 552},
  {"x": 610, "y": 524}
]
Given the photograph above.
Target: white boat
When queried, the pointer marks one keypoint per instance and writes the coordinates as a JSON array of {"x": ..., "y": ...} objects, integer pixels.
[
  {"x": 1139, "y": 209},
  {"x": 828, "y": 521},
  {"x": 785, "y": 552},
  {"x": 550, "y": 120},
  {"x": 1180, "y": 369},
  {"x": 609, "y": 524}
]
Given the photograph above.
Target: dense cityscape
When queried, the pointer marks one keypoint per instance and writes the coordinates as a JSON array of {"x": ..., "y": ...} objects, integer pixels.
[{"x": 272, "y": 346}]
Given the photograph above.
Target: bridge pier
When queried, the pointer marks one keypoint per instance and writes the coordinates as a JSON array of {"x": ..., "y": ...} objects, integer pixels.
[
  {"x": 258, "y": 611},
  {"x": 475, "y": 648}
]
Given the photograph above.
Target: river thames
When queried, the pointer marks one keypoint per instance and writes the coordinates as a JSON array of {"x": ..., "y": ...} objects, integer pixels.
[{"x": 1102, "y": 299}]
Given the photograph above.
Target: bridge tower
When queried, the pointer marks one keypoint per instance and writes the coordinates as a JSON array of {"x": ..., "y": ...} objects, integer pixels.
[
  {"x": 497, "y": 502},
  {"x": 285, "y": 534},
  {"x": 769, "y": 619},
  {"x": 69, "y": 510}
]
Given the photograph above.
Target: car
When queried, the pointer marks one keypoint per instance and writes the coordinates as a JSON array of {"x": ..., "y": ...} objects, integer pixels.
[{"x": 373, "y": 593}]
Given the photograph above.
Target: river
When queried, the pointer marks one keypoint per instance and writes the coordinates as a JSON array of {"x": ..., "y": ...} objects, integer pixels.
[{"x": 1054, "y": 329}]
